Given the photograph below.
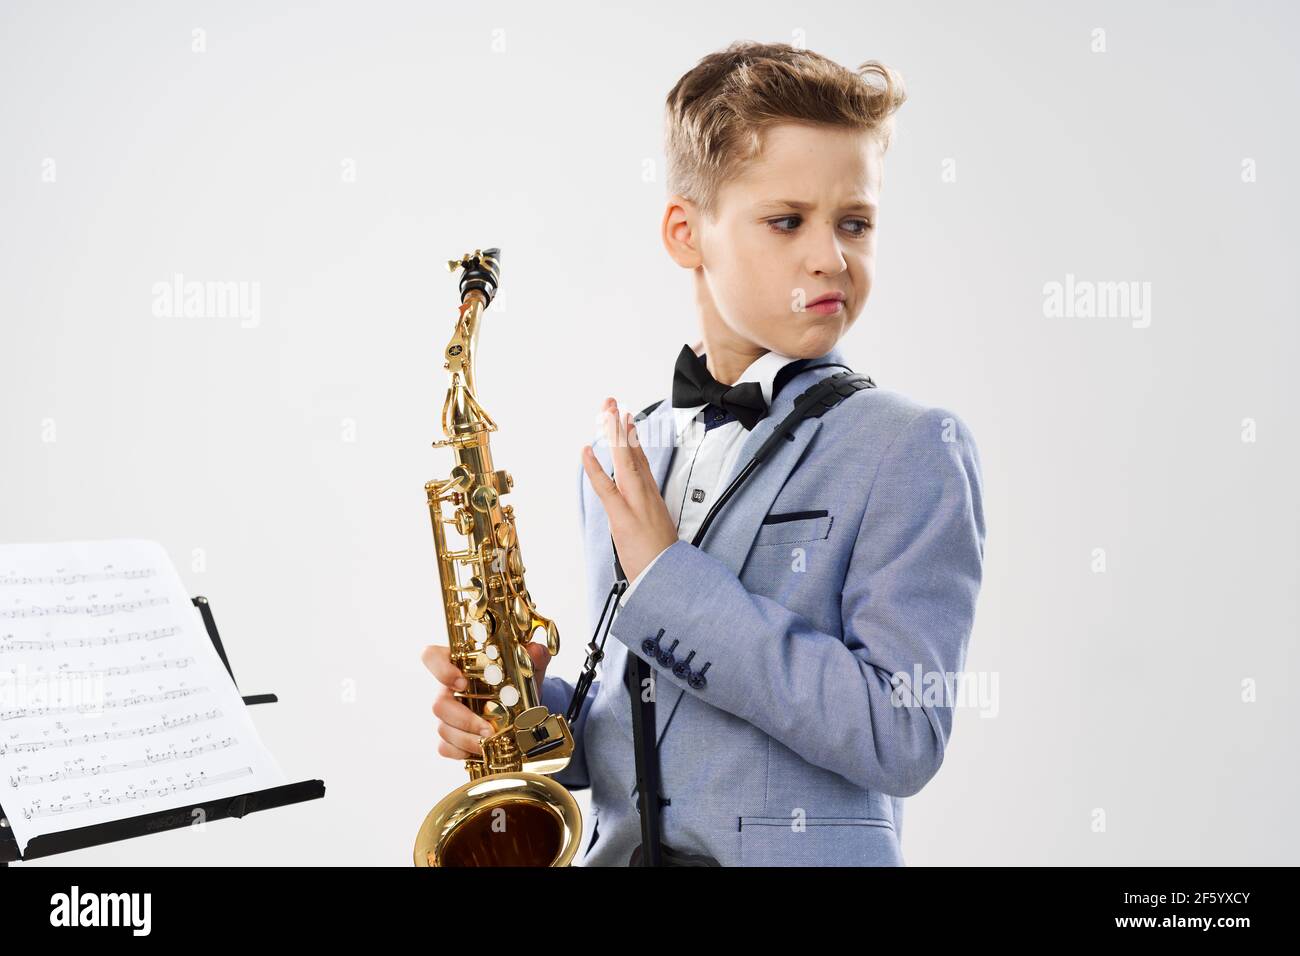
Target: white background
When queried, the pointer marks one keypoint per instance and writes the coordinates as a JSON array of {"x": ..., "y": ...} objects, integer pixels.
[{"x": 537, "y": 127}]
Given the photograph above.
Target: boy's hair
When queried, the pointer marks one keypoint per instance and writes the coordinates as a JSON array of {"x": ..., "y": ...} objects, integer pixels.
[{"x": 715, "y": 116}]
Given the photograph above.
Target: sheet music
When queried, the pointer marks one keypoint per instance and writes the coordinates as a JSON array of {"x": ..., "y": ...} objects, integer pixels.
[{"x": 113, "y": 701}]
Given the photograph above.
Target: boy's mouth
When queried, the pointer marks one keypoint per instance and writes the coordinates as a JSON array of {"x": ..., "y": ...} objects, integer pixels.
[{"x": 827, "y": 305}]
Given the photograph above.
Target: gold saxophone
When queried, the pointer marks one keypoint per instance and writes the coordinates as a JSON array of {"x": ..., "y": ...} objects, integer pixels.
[{"x": 509, "y": 813}]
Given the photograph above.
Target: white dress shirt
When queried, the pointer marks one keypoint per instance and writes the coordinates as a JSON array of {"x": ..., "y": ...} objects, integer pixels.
[{"x": 704, "y": 457}]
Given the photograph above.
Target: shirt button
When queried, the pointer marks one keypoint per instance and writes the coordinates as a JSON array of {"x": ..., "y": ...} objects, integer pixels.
[{"x": 697, "y": 495}]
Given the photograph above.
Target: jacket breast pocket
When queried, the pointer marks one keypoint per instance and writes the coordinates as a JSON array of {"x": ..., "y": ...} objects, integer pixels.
[
  {"x": 821, "y": 841},
  {"x": 793, "y": 527}
]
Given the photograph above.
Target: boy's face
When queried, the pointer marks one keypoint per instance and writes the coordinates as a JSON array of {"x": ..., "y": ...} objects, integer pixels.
[{"x": 797, "y": 223}]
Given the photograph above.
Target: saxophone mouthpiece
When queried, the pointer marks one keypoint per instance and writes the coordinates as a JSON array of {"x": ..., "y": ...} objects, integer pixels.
[{"x": 482, "y": 273}]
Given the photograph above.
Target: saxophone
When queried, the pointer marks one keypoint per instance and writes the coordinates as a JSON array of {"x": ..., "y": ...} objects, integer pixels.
[{"x": 509, "y": 813}]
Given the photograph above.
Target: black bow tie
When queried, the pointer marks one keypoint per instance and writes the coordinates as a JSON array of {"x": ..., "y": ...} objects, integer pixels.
[{"x": 693, "y": 385}]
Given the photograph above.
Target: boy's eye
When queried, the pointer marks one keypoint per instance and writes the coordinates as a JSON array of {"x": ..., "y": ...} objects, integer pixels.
[{"x": 860, "y": 227}]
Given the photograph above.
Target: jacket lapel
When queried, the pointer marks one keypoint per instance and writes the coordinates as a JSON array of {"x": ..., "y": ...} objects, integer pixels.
[{"x": 731, "y": 534}]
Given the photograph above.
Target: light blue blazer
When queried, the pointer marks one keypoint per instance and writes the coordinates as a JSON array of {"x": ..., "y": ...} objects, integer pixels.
[{"x": 833, "y": 640}]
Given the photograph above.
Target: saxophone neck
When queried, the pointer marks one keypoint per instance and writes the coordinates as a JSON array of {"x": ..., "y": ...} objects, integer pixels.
[
  {"x": 463, "y": 347},
  {"x": 462, "y": 414}
]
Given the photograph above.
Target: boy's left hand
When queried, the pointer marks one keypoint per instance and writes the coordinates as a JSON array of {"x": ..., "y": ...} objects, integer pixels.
[{"x": 638, "y": 518}]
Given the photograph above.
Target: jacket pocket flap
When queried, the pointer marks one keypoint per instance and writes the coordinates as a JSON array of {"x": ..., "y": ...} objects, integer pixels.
[{"x": 794, "y": 527}]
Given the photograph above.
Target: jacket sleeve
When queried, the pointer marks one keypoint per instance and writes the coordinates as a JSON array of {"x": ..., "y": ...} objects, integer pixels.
[
  {"x": 557, "y": 692},
  {"x": 632, "y": 585},
  {"x": 875, "y": 703}
]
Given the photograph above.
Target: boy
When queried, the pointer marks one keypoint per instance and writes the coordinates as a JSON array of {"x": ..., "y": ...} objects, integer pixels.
[{"x": 801, "y": 644}]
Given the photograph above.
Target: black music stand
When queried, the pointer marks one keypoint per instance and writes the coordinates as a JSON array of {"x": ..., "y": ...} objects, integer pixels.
[{"x": 48, "y": 844}]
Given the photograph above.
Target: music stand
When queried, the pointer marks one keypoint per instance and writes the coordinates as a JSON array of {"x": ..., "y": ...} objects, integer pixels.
[{"x": 48, "y": 844}]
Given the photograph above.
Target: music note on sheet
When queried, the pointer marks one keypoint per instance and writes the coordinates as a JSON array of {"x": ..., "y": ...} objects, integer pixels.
[{"x": 113, "y": 700}]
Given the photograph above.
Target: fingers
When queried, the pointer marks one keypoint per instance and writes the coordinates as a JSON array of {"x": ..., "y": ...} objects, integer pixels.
[
  {"x": 447, "y": 750},
  {"x": 638, "y": 455},
  {"x": 601, "y": 482},
  {"x": 626, "y": 465},
  {"x": 632, "y": 478},
  {"x": 541, "y": 660},
  {"x": 606, "y": 489},
  {"x": 437, "y": 658},
  {"x": 457, "y": 744},
  {"x": 458, "y": 726},
  {"x": 630, "y": 442}
]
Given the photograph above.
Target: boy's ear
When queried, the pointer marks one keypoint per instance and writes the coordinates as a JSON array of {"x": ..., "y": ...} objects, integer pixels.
[{"x": 681, "y": 231}]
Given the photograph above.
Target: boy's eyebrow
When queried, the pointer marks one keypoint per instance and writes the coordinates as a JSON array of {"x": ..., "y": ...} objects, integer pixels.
[{"x": 799, "y": 204}]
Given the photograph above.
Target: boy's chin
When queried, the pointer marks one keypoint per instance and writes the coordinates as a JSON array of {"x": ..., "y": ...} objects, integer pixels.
[{"x": 811, "y": 344}]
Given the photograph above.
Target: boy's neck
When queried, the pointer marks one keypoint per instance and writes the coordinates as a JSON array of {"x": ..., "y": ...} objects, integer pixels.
[{"x": 727, "y": 362}]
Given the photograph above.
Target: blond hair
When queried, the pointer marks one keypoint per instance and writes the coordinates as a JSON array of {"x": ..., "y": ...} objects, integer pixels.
[{"x": 715, "y": 116}]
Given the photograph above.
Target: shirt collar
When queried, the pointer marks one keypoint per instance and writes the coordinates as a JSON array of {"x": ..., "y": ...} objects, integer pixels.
[{"x": 762, "y": 370}]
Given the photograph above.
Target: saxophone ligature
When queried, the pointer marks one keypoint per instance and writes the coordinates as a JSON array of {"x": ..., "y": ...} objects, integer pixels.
[{"x": 510, "y": 813}]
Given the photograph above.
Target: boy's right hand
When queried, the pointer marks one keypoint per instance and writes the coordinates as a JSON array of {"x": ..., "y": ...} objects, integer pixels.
[{"x": 459, "y": 727}]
